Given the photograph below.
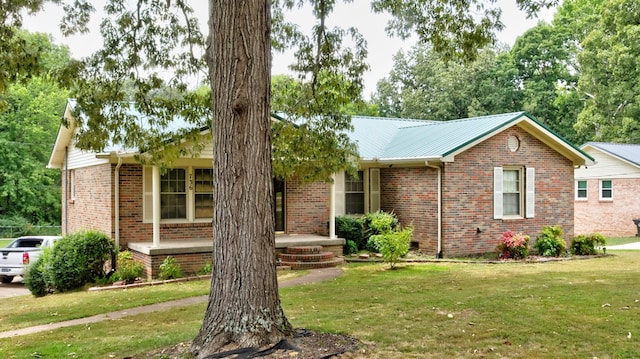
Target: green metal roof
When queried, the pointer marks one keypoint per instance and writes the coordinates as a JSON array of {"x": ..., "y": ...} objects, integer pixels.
[{"x": 389, "y": 140}]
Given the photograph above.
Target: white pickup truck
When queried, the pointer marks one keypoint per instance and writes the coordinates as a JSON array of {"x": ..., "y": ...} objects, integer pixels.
[{"x": 19, "y": 253}]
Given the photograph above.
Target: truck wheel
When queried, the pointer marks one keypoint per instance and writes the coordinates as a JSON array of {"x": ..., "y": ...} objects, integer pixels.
[{"x": 6, "y": 279}]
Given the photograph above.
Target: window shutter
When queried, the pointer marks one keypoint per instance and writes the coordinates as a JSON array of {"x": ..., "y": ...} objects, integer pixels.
[
  {"x": 531, "y": 193},
  {"x": 339, "y": 193},
  {"x": 497, "y": 192},
  {"x": 147, "y": 194},
  {"x": 374, "y": 190}
]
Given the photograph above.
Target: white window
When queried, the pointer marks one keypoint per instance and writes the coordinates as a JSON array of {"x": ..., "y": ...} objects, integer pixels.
[
  {"x": 72, "y": 185},
  {"x": 173, "y": 194},
  {"x": 514, "y": 192},
  {"x": 606, "y": 190},
  {"x": 354, "y": 193},
  {"x": 186, "y": 194},
  {"x": 581, "y": 190}
]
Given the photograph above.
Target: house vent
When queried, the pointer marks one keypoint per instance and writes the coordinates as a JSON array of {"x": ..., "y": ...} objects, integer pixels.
[{"x": 513, "y": 142}]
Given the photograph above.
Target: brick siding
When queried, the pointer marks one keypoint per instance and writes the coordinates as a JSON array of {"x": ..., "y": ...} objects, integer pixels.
[
  {"x": 92, "y": 207},
  {"x": 468, "y": 195},
  {"x": 307, "y": 208},
  {"x": 610, "y": 218}
]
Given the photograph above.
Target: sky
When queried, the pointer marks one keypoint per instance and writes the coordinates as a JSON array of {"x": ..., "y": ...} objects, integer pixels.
[{"x": 357, "y": 14}]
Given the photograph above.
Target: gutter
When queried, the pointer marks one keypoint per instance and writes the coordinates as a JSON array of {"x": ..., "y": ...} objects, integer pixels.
[{"x": 432, "y": 164}]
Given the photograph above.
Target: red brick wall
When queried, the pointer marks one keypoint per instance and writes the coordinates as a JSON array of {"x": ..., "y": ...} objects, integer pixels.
[
  {"x": 610, "y": 218},
  {"x": 468, "y": 193},
  {"x": 307, "y": 208},
  {"x": 190, "y": 263},
  {"x": 132, "y": 227},
  {"x": 411, "y": 193},
  {"x": 468, "y": 196},
  {"x": 93, "y": 206}
]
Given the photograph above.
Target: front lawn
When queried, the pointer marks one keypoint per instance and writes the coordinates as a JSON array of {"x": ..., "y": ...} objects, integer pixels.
[
  {"x": 616, "y": 241},
  {"x": 568, "y": 309}
]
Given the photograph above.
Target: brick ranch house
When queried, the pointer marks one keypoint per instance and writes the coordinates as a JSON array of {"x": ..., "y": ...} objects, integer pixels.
[
  {"x": 460, "y": 183},
  {"x": 607, "y": 194}
]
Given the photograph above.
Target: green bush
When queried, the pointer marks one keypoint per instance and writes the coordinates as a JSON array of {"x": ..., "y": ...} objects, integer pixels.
[
  {"x": 79, "y": 258},
  {"x": 376, "y": 224},
  {"x": 351, "y": 229},
  {"x": 350, "y": 247},
  {"x": 170, "y": 269},
  {"x": 550, "y": 242},
  {"x": 380, "y": 222},
  {"x": 128, "y": 269},
  {"x": 34, "y": 278},
  {"x": 585, "y": 245},
  {"x": 395, "y": 244},
  {"x": 206, "y": 270}
]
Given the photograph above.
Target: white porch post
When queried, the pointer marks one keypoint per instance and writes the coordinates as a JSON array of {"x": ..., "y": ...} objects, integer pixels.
[
  {"x": 155, "y": 188},
  {"x": 332, "y": 208}
]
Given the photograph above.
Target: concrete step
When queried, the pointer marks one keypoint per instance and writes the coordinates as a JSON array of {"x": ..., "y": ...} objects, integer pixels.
[
  {"x": 313, "y": 257},
  {"x": 304, "y": 250},
  {"x": 314, "y": 265}
]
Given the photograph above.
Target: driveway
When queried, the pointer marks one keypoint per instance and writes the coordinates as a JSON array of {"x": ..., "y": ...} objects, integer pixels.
[
  {"x": 635, "y": 245},
  {"x": 13, "y": 289}
]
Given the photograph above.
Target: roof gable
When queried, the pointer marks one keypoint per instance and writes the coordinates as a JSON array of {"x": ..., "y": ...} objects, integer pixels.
[
  {"x": 629, "y": 153},
  {"x": 394, "y": 140}
]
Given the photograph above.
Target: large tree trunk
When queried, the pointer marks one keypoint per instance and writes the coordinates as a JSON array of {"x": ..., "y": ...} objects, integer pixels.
[{"x": 244, "y": 305}]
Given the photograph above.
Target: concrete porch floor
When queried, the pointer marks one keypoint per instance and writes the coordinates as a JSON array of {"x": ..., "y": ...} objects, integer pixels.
[{"x": 206, "y": 245}]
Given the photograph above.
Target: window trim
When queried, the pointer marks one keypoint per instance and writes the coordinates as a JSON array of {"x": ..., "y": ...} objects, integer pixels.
[
  {"x": 147, "y": 194},
  {"x": 527, "y": 192},
  {"x": 520, "y": 192},
  {"x": 361, "y": 181},
  {"x": 602, "y": 189},
  {"x": 585, "y": 189}
]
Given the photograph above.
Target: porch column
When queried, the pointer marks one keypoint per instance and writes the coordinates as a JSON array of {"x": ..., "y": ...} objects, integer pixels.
[
  {"x": 332, "y": 208},
  {"x": 155, "y": 188}
]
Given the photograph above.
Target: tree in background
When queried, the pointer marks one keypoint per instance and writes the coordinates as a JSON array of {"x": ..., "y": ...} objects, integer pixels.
[
  {"x": 610, "y": 72},
  {"x": 425, "y": 85},
  {"x": 29, "y": 120}
]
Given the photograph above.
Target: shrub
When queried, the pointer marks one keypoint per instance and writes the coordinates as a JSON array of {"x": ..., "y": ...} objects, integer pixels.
[
  {"x": 350, "y": 247},
  {"x": 377, "y": 224},
  {"x": 585, "y": 245},
  {"x": 380, "y": 222},
  {"x": 550, "y": 242},
  {"x": 351, "y": 229},
  {"x": 395, "y": 245},
  {"x": 170, "y": 269},
  {"x": 77, "y": 259},
  {"x": 206, "y": 270},
  {"x": 513, "y": 245},
  {"x": 34, "y": 278},
  {"x": 128, "y": 269}
]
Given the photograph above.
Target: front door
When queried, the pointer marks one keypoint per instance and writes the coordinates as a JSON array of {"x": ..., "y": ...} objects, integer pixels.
[{"x": 279, "y": 194}]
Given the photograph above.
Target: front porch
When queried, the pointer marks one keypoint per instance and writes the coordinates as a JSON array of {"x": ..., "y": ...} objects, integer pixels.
[{"x": 193, "y": 255}]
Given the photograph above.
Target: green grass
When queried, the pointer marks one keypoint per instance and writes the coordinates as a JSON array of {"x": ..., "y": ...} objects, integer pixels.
[
  {"x": 567, "y": 309},
  {"x": 5, "y": 242}
]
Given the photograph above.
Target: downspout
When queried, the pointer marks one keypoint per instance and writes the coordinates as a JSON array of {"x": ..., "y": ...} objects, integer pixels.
[
  {"x": 116, "y": 191},
  {"x": 439, "y": 251},
  {"x": 117, "y": 201},
  {"x": 332, "y": 208},
  {"x": 66, "y": 190}
]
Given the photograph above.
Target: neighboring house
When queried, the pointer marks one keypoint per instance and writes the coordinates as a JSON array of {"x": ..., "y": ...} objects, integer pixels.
[
  {"x": 607, "y": 194},
  {"x": 459, "y": 183}
]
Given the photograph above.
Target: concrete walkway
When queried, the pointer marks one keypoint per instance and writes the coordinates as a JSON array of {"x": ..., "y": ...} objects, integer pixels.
[
  {"x": 635, "y": 245},
  {"x": 315, "y": 275}
]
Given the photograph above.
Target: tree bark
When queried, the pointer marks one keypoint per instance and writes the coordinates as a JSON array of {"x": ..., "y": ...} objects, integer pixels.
[{"x": 244, "y": 306}]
